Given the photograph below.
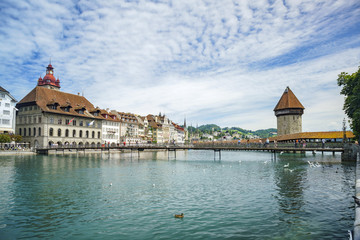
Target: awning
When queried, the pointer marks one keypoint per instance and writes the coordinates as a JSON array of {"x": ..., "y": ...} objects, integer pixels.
[{"x": 2, "y": 130}]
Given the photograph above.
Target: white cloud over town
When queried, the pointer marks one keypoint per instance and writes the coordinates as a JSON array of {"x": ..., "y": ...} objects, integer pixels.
[{"x": 223, "y": 62}]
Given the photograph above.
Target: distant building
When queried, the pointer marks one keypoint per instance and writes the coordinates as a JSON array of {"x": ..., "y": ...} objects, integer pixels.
[
  {"x": 288, "y": 112},
  {"x": 7, "y": 112}
]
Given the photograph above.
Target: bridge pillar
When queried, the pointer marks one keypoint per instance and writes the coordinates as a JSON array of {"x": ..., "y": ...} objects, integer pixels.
[{"x": 350, "y": 152}]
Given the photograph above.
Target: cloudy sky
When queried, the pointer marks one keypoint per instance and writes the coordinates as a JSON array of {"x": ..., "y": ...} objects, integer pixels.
[{"x": 225, "y": 62}]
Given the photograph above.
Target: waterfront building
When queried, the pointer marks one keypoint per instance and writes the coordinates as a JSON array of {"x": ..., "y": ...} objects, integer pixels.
[
  {"x": 47, "y": 116},
  {"x": 110, "y": 128},
  {"x": 155, "y": 128},
  {"x": 141, "y": 128},
  {"x": 129, "y": 127},
  {"x": 288, "y": 112},
  {"x": 179, "y": 136},
  {"x": 7, "y": 112}
]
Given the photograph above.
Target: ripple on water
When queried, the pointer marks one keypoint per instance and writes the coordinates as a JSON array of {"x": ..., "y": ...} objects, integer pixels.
[{"x": 70, "y": 197}]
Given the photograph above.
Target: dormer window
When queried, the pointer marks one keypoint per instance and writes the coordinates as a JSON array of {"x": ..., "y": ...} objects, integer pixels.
[
  {"x": 96, "y": 114},
  {"x": 81, "y": 111}
]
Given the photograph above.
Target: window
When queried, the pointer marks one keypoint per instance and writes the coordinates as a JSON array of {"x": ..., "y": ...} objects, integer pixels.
[
  {"x": 39, "y": 118},
  {"x": 34, "y": 132},
  {"x": 93, "y": 134},
  {"x": 51, "y": 120},
  {"x": 67, "y": 121},
  {"x": 6, "y": 121},
  {"x": 20, "y": 133},
  {"x": 96, "y": 114},
  {"x": 87, "y": 134},
  {"x": 29, "y": 119},
  {"x": 81, "y": 123},
  {"x": 29, "y": 131},
  {"x": 98, "y": 134},
  {"x": 39, "y": 132},
  {"x": 80, "y": 133},
  {"x": 51, "y": 132},
  {"x": 34, "y": 120},
  {"x": 7, "y": 105},
  {"x": 6, "y": 112},
  {"x": 24, "y": 131},
  {"x": 67, "y": 133},
  {"x": 30, "y": 108},
  {"x": 74, "y": 122},
  {"x": 53, "y": 106},
  {"x": 81, "y": 111},
  {"x": 2, "y": 95},
  {"x": 60, "y": 121},
  {"x": 74, "y": 133},
  {"x": 59, "y": 132},
  {"x": 67, "y": 109}
]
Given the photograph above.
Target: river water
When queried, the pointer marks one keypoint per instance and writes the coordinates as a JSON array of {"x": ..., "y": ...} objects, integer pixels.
[{"x": 245, "y": 195}]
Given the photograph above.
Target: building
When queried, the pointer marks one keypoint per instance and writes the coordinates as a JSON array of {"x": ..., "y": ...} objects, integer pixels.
[
  {"x": 155, "y": 128},
  {"x": 129, "y": 127},
  {"x": 110, "y": 128},
  {"x": 48, "y": 117},
  {"x": 7, "y": 112},
  {"x": 288, "y": 112}
]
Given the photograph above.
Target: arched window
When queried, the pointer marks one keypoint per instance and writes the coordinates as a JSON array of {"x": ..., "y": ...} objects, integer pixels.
[
  {"x": 67, "y": 133},
  {"x": 39, "y": 132},
  {"x": 25, "y": 132},
  {"x": 80, "y": 133},
  {"x": 29, "y": 132},
  {"x": 98, "y": 134},
  {"x": 74, "y": 133},
  {"x": 51, "y": 132},
  {"x": 59, "y": 132},
  {"x": 87, "y": 134},
  {"x": 93, "y": 134},
  {"x": 20, "y": 131},
  {"x": 34, "y": 132}
]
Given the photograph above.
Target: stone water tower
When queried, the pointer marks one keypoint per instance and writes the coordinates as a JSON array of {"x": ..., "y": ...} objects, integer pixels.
[{"x": 288, "y": 112}]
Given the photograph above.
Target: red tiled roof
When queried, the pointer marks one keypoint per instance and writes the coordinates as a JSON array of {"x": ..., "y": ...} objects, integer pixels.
[
  {"x": 288, "y": 100},
  {"x": 44, "y": 97}
]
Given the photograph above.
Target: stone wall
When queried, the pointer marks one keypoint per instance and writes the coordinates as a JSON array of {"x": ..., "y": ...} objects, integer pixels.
[{"x": 289, "y": 124}]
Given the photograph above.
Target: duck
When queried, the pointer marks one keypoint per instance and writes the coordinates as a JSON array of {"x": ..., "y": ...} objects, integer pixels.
[{"x": 179, "y": 215}]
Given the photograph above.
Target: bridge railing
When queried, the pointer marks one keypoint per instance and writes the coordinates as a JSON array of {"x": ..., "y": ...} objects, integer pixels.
[{"x": 270, "y": 145}]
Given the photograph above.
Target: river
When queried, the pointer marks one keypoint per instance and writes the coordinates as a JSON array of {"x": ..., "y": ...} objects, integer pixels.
[{"x": 245, "y": 195}]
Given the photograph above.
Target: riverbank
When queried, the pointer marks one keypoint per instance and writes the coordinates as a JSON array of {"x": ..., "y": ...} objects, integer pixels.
[{"x": 17, "y": 152}]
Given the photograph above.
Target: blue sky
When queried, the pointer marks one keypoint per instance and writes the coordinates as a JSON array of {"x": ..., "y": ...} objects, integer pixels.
[{"x": 224, "y": 62}]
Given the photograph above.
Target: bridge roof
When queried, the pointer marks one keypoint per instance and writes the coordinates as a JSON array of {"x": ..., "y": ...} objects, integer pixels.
[{"x": 313, "y": 135}]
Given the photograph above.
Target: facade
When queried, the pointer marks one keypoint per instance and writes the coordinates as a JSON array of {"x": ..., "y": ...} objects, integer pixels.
[
  {"x": 110, "y": 128},
  {"x": 288, "y": 112},
  {"x": 7, "y": 112},
  {"x": 179, "y": 135},
  {"x": 129, "y": 127},
  {"x": 48, "y": 117},
  {"x": 155, "y": 128}
]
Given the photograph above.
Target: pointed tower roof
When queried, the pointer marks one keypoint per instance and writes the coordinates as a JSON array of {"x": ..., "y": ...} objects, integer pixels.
[{"x": 288, "y": 100}]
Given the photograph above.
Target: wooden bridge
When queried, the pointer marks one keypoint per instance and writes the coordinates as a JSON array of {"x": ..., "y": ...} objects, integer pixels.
[{"x": 214, "y": 148}]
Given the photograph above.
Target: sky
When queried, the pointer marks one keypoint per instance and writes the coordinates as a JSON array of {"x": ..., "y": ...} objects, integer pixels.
[{"x": 212, "y": 62}]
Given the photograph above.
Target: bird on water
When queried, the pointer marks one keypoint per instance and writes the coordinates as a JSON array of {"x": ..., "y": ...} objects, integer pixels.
[
  {"x": 357, "y": 200},
  {"x": 179, "y": 215}
]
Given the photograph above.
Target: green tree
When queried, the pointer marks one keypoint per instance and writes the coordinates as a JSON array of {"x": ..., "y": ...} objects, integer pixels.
[
  {"x": 5, "y": 138},
  {"x": 351, "y": 90}
]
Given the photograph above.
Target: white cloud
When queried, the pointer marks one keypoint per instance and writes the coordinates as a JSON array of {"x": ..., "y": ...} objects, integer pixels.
[{"x": 224, "y": 62}]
